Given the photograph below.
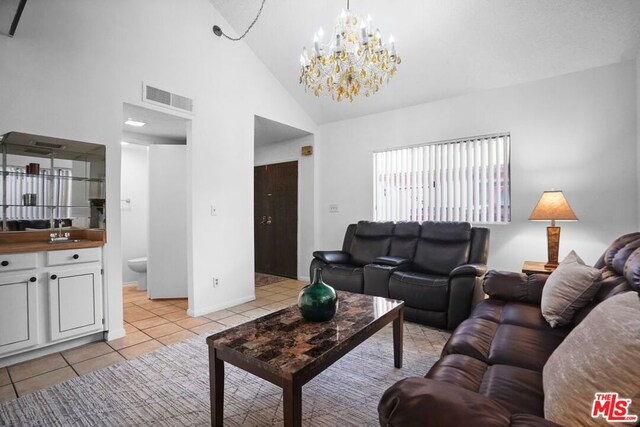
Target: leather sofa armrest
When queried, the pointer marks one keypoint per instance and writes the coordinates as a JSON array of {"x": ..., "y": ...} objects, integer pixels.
[
  {"x": 469, "y": 270},
  {"x": 426, "y": 402},
  {"x": 332, "y": 257},
  {"x": 511, "y": 286},
  {"x": 391, "y": 261}
]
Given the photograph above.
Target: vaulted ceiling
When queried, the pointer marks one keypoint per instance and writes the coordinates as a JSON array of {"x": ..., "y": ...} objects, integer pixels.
[{"x": 448, "y": 47}]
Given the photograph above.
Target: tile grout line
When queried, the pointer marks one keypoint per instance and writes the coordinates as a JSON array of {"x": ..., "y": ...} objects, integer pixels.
[
  {"x": 15, "y": 390},
  {"x": 69, "y": 364}
]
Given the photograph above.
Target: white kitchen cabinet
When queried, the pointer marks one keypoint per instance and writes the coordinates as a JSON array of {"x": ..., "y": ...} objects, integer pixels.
[
  {"x": 56, "y": 296},
  {"x": 73, "y": 256},
  {"x": 75, "y": 302},
  {"x": 18, "y": 312},
  {"x": 13, "y": 262}
]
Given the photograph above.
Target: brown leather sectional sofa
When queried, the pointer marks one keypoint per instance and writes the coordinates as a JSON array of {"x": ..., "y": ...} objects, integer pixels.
[{"x": 490, "y": 371}]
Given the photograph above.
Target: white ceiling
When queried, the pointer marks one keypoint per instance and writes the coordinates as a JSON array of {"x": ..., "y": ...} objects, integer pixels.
[
  {"x": 161, "y": 128},
  {"x": 448, "y": 48},
  {"x": 267, "y": 131}
]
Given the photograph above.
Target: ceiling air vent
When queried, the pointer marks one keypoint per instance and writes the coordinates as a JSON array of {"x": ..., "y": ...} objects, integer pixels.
[
  {"x": 166, "y": 99},
  {"x": 36, "y": 151},
  {"x": 47, "y": 145}
]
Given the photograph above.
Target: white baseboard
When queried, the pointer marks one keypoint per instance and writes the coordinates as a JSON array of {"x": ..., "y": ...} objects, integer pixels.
[
  {"x": 221, "y": 306},
  {"x": 304, "y": 278},
  {"x": 114, "y": 334}
]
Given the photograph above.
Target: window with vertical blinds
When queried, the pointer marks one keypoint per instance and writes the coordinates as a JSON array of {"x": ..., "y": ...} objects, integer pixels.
[{"x": 459, "y": 180}]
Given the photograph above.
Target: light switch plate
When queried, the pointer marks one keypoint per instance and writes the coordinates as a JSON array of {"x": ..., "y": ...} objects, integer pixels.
[
  {"x": 214, "y": 210},
  {"x": 333, "y": 208}
]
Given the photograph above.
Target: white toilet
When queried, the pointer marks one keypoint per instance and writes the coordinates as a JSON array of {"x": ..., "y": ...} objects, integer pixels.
[{"x": 139, "y": 265}]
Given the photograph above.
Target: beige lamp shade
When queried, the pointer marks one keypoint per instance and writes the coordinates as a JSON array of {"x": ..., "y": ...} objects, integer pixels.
[{"x": 553, "y": 206}]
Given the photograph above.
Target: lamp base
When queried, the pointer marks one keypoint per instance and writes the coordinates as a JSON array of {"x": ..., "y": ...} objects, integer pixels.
[{"x": 553, "y": 246}]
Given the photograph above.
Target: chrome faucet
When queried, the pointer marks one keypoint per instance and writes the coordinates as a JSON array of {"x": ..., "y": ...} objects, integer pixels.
[{"x": 59, "y": 237}]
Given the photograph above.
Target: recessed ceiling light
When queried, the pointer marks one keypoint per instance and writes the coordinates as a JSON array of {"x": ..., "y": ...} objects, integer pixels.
[
  {"x": 124, "y": 143},
  {"x": 132, "y": 122}
]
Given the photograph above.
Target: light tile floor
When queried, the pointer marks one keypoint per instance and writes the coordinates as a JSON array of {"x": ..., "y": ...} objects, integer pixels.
[{"x": 150, "y": 325}]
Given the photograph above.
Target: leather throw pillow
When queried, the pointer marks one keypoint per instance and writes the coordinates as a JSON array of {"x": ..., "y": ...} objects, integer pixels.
[
  {"x": 599, "y": 356},
  {"x": 569, "y": 288}
]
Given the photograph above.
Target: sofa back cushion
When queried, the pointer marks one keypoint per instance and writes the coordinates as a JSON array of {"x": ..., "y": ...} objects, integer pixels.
[
  {"x": 612, "y": 250},
  {"x": 370, "y": 240},
  {"x": 404, "y": 240},
  {"x": 618, "y": 274},
  {"x": 599, "y": 355},
  {"x": 442, "y": 247}
]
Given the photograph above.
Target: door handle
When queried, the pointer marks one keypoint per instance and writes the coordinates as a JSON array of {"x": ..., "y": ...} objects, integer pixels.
[
  {"x": 264, "y": 220},
  {"x": 268, "y": 220}
]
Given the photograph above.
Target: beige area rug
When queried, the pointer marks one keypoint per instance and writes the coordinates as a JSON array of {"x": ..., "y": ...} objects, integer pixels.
[
  {"x": 268, "y": 279},
  {"x": 170, "y": 387}
]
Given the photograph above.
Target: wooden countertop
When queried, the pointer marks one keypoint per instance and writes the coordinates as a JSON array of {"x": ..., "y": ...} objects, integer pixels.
[{"x": 36, "y": 241}]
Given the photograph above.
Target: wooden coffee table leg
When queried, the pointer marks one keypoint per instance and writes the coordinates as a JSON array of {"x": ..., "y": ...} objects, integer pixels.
[
  {"x": 398, "y": 330},
  {"x": 216, "y": 386},
  {"x": 292, "y": 403}
]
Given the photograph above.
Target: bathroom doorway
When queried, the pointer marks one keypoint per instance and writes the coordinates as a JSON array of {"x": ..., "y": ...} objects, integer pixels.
[{"x": 154, "y": 202}]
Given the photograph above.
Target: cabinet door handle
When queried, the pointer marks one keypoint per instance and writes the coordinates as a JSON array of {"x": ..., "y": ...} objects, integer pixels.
[
  {"x": 54, "y": 277},
  {"x": 76, "y": 256},
  {"x": 33, "y": 279},
  {"x": 4, "y": 263}
]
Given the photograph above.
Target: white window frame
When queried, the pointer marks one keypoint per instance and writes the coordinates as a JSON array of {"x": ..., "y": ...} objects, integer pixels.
[{"x": 459, "y": 177}]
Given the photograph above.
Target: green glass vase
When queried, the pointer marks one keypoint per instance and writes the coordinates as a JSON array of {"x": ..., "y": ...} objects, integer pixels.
[{"x": 318, "y": 302}]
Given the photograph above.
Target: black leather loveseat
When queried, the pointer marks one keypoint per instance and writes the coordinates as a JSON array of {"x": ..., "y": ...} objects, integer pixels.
[
  {"x": 434, "y": 267},
  {"x": 491, "y": 369}
]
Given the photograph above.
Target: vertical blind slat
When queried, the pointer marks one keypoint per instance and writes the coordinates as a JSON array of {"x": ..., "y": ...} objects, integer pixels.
[
  {"x": 491, "y": 175},
  {"x": 507, "y": 178}
]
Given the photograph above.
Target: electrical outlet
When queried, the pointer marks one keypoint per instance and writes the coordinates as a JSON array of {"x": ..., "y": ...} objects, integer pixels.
[
  {"x": 333, "y": 208},
  {"x": 214, "y": 210},
  {"x": 216, "y": 282}
]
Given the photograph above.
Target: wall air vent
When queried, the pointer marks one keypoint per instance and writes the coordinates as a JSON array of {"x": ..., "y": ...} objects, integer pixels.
[{"x": 166, "y": 99}]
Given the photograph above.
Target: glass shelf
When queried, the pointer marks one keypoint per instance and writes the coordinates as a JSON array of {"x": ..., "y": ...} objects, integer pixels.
[{"x": 49, "y": 176}]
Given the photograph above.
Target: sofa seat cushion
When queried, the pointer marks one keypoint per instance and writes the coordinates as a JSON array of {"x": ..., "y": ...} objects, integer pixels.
[
  {"x": 519, "y": 390},
  {"x": 503, "y": 344},
  {"x": 344, "y": 277},
  {"x": 418, "y": 290},
  {"x": 524, "y": 347}
]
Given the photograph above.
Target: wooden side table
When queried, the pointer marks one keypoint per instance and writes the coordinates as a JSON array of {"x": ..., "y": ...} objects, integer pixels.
[{"x": 536, "y": 267}]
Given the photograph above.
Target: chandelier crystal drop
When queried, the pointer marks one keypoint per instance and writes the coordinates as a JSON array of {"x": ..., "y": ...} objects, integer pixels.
[{"x": 353, "y": 62}]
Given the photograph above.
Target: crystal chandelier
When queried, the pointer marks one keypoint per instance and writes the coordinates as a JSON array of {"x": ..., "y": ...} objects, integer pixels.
[{"x": 354, "y": 62}]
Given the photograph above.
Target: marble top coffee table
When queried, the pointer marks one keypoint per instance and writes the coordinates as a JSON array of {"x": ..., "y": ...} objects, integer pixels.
[{"x": 289, "y": 351}]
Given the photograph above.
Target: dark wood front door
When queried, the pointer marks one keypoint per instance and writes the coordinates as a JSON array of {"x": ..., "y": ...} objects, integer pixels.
[{"x": 276, "y": 219}]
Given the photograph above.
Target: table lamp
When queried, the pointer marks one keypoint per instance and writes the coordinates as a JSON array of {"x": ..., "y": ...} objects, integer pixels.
[{"x": 553, "y": 207}]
